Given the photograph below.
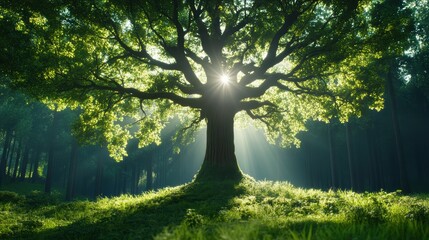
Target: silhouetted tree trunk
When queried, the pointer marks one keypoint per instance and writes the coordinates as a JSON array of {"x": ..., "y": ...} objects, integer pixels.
[
  {"x": 117, "y": 179},
  {"x": 99, "y": 177},
  {"x": 149, "y": 171},
  {"x": 17, "y": 160},
  {"x": 349, "y": 155},
  {"x": 124, "y": 174},
  {"x": 331, "y": 156},
  {"x": 133, "y": 177},
  {"x": 372, "y": 144},
  {"x": 220, "y": 162},
  {"x": 403, "y": 179},
  {"x": 70, "y": 190},
  {"x": 35, "y": 171},
  {"x": 51, "y": 148},
  {"x": 10, "y": 155},
  {"x": 3, "y": 160},
  {"x": 138, "y": 175},
  {"x": 24, "y": 162}
]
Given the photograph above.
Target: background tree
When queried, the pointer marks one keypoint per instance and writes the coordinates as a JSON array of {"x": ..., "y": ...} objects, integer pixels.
[{"x": 279, "y": 63}]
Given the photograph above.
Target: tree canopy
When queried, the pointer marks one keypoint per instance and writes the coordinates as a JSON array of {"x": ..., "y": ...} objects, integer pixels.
[{"x": 126, "y": 63}]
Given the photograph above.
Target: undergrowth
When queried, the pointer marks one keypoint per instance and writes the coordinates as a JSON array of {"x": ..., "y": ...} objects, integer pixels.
[{"x": 219, "y": 210}]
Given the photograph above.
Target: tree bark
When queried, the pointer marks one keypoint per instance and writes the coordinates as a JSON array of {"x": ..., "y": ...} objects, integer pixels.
[
  {"x": 138, "y": 175},
  {"x": 149, "y": 170},
  {"x": 331, "y": 156},
  {"x": 397, "y": 132},
  {"x": 99, "y": 177},
  {"x": 117, "y": 180},
  {"x": 35, "y": 171},
  {"x": 133, "y": 177},
  {"x": 124, "y": 176},
  {"x": 10, "y": 155},
  {"x": 17, "y": 160},
  {"x": 50, "y": 171},
  {"x": 72, "y": 172},
  {"x": 3, "y": 160},
  {"x": 220, "y": 162},
  {"x": 24, "y": 162},
  {"x": 350, "y": 156}
]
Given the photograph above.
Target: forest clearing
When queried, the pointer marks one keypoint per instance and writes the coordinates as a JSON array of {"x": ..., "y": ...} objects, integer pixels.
[
  {"x": 214, "y": 119},
  {"x": 222, "y": 210}
]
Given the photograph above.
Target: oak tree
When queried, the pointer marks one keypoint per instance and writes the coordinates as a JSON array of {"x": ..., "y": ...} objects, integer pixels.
[{"x": 276, "y": 64}]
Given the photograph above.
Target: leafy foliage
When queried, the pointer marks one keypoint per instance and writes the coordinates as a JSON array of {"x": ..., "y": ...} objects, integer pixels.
[{"x": 147, "y": 61}]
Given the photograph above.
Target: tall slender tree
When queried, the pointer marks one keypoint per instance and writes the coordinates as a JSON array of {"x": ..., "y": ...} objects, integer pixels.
[
  {"x": 332, "y": 156},
  {"x": 403, "y": 178},
  {"x": 71, "y": 179},
  {"x": 52, "y": 135}
]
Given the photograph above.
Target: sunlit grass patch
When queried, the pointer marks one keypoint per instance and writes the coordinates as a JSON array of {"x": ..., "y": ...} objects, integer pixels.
[{"x": 219, "y": 210}]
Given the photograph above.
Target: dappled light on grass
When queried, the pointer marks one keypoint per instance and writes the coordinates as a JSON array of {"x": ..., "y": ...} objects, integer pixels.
[{"x": 243, "y": 209}]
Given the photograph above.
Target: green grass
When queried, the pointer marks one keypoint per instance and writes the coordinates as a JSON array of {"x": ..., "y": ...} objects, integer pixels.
[{"x": 226, "y": 210}]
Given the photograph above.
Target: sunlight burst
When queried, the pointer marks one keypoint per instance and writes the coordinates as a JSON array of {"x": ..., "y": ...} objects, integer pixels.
[{"x": 224, "y": 79}]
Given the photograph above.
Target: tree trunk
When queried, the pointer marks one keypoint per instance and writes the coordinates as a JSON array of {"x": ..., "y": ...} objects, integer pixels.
[
  {"x": 349, "y": 155},
  {"x": 149, "y": 170},
  {"x": 220, "y": 162},
  {"x": 35, "y": 171},
  {"x": 117, "y": 180},
  {"x": 10, "y": 156},
  {"x": 397, "y": 132},
  {"x": 50, "y": 171},
  {"x": 331, "y": 156},
  {"x": 138, "y": 175},
  {"x": 372, "y": 145},
  {"x": 133, "y": 177},
  {"x": 17, "y": 160},
  {"x": 124, "y": 176},
  {"x": 3, "y": 160},
  {"x": 24, "y": 162},
  {"x": 72, "y": 172},
  {"x": 99, "y": 177}
]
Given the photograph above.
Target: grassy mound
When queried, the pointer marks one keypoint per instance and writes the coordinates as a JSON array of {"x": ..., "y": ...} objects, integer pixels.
[{"x": 222, "y": 210}]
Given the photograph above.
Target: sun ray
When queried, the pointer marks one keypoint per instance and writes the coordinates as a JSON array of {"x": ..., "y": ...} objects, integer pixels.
[{"x": 224, "y": 79}]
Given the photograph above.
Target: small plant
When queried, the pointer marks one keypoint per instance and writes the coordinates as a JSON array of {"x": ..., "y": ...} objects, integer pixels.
[
  {"x": 370, "y": 212},
  {"x": 418, "y": 212},
  {"x": 330, "y": 207},
  {"x": 193, "y": 219}
]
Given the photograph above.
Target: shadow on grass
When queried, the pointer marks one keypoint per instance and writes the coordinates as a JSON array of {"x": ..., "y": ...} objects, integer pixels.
[{"x": 146, "y": 219}]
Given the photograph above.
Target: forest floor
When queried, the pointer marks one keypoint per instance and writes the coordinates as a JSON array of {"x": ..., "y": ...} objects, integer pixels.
[{"x": 224, "y": 210}]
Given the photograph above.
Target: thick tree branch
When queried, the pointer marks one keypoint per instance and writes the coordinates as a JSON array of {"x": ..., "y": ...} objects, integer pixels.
[
  {"x": 116, "y": 87},
  {"x": 274, "y": 44},
  {"x": 257, "y": 117},
  {"x": 254, "y": 104},
  {"x": 142, "y": 55},
  {"x": 210, "y": 43}
]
